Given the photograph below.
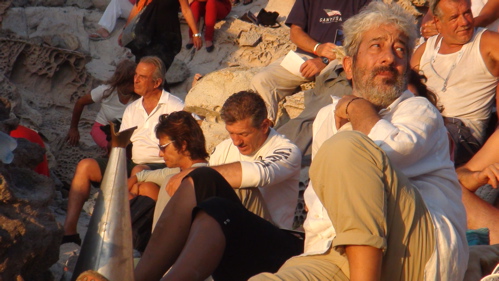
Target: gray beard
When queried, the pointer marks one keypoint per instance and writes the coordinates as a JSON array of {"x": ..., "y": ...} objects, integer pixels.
[{"x": 381, "y": 94}]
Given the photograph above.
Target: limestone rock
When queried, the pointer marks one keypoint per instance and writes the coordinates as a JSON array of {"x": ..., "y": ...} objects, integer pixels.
[
  {"x": 100, "y": 4},
  {"x": 4, "y": 5},
  {"x": 294, "y": 104},
  {"x": 408, "y": 5},
  {"x": 28, "y": 154},
  {"x": 30, "y": 3},
  {"x": 177, "y": 72},
  {"x": 249, "y": 38},
  {"x": 29, "y": 233},
  {"x": 63, "y": 41},
  {"x": 83, "y": 4},
  {"x": 209, "y": 94},
  {"x": 214, "y": 133}
]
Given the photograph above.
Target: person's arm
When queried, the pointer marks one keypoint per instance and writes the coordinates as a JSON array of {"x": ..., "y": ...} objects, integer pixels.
[
  {"x": 132, "y": 181},
  {"x": 497, "y": 102},
  {"x": 358, "y": 111},
  {"x": 73, "y": 136},
  {"x": 313, "y": 66},
  {"x": 365, "y": 262},
  {"x": 490, "y": 52},
  {"x": 306, "y": 43},
  {"x": 282, "y": 162},
  {"x": 428, "y": 26},
  {"x": 472, "y": 180},
  {"x": 156, "y": 176},
  {"x": 488, "y": 14},
  {"x": 483, "y": 167},
  {"x": 189, "y": 18}
]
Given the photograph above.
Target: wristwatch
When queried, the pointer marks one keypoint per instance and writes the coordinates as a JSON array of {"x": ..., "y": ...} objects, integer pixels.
[
  {"x": 325, "y": 60},
  {"x": 196, "y": 35}
]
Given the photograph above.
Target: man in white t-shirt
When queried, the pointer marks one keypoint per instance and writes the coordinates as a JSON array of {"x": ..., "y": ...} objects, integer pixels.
[
  {"x": 256, "y": 170},
  {"x": 385, "y": 202},
  {"x": 144, "y": 114}
]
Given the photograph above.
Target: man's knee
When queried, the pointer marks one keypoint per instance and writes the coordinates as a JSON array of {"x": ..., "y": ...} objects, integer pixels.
[
  {"x": 347, "y": 142},
  {"x": 263, "y": 79},
  {"x": 350, "y": 149}
]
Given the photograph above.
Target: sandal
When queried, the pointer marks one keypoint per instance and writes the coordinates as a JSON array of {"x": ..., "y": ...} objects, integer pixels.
[
  {"x": 235, "y": 2},
  {"x": 247, "y": 2}
]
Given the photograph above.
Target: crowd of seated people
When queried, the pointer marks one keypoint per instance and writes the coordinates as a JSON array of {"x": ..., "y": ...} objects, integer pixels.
[{"x": 384, "y": 199}]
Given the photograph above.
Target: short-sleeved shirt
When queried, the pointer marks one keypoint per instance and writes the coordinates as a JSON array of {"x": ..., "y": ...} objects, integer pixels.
[
  {"x": 145, "y": 144},
  {"x": 111, "y": 108},
  {"x": 321, "y": 19}
]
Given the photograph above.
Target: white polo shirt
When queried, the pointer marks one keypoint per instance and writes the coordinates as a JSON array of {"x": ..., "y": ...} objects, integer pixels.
[{"x": 145, "y": 144}]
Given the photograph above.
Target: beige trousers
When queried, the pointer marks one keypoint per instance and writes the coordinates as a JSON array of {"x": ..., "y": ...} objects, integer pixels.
[{"x": 369, "y": 203}]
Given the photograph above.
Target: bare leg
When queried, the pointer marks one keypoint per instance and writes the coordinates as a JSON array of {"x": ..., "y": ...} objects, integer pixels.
[
  {"x": 365, "y": 262},
  {"x": 202, "y": 252},
  {"x": 481, "y": 214},
  {"x": 169, "y": 236},
  {"x": 86, "y": 171}
]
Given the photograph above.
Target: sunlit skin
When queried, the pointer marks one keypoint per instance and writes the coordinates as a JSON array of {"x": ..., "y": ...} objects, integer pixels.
[
  {"x": 174, "y": 158},
  {"x": 383, "y": 53},
  {"x": 381, "y": 60},
  {"x": 455, "y": 24},
  {"x": 246, "y": 137},
  {"x": 143, "y": 82}
]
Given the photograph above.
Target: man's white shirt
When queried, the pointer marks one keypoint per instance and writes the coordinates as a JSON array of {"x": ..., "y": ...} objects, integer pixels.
[
  {"x": 145, "y": 144},
  {"x": 412, "y": 134}
]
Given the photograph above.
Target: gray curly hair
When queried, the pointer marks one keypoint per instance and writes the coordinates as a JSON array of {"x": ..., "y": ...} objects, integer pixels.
[{"x": 373, "y": 15}]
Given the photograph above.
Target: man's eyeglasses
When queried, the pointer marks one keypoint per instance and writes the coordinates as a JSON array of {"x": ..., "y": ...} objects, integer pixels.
[{"x": 163, "y": 147}]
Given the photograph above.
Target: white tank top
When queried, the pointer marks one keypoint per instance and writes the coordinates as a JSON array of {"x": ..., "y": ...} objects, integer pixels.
[
  {"x": 470, "y": 89},
  {"x": 476, "y": 8}
]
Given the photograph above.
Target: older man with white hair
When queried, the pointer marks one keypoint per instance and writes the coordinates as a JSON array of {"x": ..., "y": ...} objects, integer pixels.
[{"x": 385, "y": 202}]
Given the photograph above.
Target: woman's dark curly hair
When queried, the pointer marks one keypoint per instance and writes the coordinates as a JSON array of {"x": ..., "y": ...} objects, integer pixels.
[{"x": 182, "y": 129}]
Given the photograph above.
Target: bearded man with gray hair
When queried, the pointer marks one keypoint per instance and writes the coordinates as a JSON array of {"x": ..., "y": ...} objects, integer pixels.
[{"x": 385, "y": 202}]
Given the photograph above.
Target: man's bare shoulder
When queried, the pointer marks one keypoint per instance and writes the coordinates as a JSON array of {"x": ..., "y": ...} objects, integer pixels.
[
  {"x": 490, "y": 40},
  {"x": 490, "y": 52},
  {"x": 416, "y": 56}
]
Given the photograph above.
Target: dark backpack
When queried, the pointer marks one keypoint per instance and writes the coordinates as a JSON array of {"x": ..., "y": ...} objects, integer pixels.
[{"x": 268, "y": 19}]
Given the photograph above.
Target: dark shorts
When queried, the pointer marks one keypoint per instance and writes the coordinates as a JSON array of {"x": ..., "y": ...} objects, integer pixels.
[
  {"x": 209, "y": 183},
  {"x": 102, "y": 162},
  {"x": 466, "y": 145},
  {"x": 253, "y": 245}
]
